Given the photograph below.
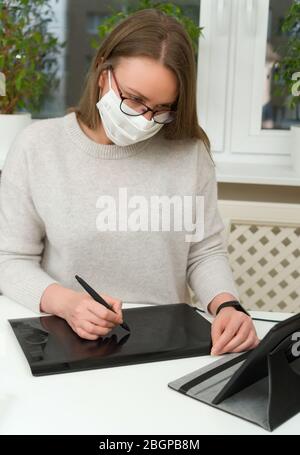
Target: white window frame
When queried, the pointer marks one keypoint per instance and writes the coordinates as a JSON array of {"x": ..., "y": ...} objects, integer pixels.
[{"x": 230, "y": 92}]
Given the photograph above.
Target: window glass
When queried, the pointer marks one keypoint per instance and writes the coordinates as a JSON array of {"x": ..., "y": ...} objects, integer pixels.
[{"x": 276, "y": 113}]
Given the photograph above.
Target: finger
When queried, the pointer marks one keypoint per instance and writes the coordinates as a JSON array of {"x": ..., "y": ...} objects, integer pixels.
[
  {"x": 109, "y": 299},
  {"x": 94, "y": 329},
  {"x": 251, "y": 343},
  {"x": 117, "y": 306},
  {"x": 104, "y": 313},
  {"x": 241, "y": 336},
  {"x": 216, "y": 331},
  {"x": 91, "y": 317},
  {"x": 83, "y": 334},
  {"x": 87, "y": 314},
  {"x": 230, "y": 331}
]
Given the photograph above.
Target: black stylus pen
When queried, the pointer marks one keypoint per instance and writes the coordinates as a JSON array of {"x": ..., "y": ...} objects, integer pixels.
[{"x": 98, "y": 298}]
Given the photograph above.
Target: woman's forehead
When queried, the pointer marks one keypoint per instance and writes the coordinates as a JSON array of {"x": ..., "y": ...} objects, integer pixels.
[{"x": 148, "y": 77}]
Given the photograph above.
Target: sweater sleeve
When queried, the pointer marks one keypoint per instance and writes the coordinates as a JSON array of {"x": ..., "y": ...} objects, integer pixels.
[
  {"x": 21, "y": 232},
  {"x": 208, "y": 269}
]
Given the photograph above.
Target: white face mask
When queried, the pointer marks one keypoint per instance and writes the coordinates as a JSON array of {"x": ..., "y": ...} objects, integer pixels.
[{"x": 120, "y": 128}]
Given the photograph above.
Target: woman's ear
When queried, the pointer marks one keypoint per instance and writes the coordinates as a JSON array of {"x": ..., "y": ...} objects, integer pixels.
[{"x": 102, "y": 79}]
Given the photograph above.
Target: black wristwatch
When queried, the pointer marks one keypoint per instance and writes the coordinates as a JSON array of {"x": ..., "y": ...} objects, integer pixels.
[{"x": 233, "y": 303}]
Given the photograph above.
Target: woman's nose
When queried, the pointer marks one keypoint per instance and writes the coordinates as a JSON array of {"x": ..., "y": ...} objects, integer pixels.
[{"x": 148, "y": 115}]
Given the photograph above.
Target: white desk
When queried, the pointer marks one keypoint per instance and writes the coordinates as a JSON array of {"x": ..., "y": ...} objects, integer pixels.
[{"x": 126, "y": 400}]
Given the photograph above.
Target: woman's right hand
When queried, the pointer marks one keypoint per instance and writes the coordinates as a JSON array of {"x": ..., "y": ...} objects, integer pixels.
[{"x": 88, "y": 318}]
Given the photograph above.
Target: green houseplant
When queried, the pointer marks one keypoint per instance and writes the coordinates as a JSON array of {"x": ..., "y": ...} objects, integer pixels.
[
  {"x": 289, "y": 73},
  {"x": 169, "y": 8},
  {"x": 28, "y": 63}
]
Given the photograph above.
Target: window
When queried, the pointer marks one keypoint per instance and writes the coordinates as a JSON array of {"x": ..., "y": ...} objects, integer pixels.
[
  {"x": 275, "y": 113},
  {"x": 248, "y": 126},
  {"x": 92, "y": 22}
]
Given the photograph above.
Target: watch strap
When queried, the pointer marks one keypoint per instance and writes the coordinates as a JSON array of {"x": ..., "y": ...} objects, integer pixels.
[{"x": 232, "y": 303}]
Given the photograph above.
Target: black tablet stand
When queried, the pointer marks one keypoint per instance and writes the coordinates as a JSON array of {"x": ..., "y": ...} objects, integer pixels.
[
  {"x": 261, "y": 386},
  {"x": 284, "y": 388}
]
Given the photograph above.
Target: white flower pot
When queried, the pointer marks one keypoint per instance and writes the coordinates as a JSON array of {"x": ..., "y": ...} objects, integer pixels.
[
  {"x": 295, "y": 148},
  {"x": 10, "y": 126}
]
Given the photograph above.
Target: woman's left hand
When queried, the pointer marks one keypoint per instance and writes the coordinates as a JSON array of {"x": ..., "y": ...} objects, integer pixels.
[{"x": 232, "y": 331}]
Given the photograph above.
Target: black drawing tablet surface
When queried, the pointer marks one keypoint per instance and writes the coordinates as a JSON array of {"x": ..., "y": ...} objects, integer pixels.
[{"x": 161, "y": 332}]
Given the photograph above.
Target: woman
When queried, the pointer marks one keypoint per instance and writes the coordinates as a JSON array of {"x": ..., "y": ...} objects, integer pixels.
[{"x": 68, "y": 184}]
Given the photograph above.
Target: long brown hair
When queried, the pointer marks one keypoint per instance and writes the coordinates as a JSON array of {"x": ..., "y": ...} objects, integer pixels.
[{"x": 150, "y": 33}]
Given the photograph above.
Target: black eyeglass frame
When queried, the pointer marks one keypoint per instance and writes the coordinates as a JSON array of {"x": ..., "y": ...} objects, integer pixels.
[{"x": 148, "y": 109}]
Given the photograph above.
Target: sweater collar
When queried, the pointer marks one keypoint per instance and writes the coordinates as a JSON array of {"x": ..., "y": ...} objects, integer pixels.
[{"x": 103, "y": 151}]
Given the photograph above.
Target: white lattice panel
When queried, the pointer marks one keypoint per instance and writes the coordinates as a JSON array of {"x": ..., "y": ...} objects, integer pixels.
[
  {"x": 265, "y": 260},
  {"x": 263, "y": 243}
]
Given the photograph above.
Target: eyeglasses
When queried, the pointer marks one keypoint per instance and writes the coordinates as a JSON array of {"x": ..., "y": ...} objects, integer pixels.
[{"x": 128, "y": 105}]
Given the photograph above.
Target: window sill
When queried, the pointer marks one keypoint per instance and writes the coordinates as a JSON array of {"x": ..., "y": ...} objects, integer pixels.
[{"x": 256, "y": 174}]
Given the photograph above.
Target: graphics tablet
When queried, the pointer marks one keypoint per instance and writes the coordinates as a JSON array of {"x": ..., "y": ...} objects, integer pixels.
[{"x": 161, "y": 332}]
